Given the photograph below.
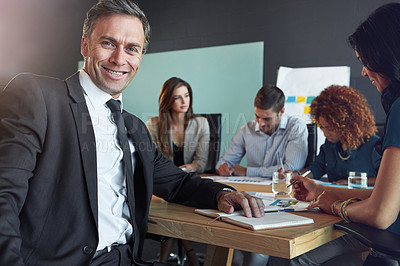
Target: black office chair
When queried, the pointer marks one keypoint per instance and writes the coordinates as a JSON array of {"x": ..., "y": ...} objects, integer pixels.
[
  {"x": 384, "y": 245},
  {"x": 214, "y": 121},
  {"x": 380, "y": 127},
  {"x": 312, "y": 143}
]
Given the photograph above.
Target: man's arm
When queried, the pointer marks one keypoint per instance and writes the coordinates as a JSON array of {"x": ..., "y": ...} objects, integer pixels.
[
  {"x": 235, "y": 152},
  {"x": 22, "y": 130},
  {"x": 175, "y": 185}
]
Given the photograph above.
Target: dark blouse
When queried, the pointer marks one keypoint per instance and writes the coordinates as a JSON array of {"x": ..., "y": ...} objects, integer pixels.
[
  {"x": 178, "y": 155},
  {"x": 391, "y": 105},
  {"x": 337, "y": 164}
]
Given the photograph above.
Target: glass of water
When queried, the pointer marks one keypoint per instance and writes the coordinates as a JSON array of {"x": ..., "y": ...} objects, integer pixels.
[
  {"x": 280, "y": 183},
  {"x": 357, "y": 180}
]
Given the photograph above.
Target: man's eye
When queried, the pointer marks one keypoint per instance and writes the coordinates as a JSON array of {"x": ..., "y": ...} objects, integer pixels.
[
  {"x": 107, "y": 44},
  {"x": 133, "y": 50}
]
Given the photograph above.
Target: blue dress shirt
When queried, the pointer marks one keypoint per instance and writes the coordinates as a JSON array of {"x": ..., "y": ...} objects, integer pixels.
[{"x": 289, "y": 140}]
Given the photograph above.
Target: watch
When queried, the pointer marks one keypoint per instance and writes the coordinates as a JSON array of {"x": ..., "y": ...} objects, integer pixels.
[{"x": 227, "y": 189}]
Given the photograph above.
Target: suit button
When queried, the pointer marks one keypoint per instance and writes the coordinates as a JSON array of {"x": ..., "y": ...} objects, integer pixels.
[{"x": 87, "y": 250}]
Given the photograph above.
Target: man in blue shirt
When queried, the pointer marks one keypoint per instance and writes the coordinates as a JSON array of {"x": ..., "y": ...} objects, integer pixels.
[{"x": 272, "y": 135}]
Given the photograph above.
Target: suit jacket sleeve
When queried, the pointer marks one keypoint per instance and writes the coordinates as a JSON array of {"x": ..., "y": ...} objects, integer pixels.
[
  {"x": 22, "y": 131},
  {"x": 175, "y": 185}
]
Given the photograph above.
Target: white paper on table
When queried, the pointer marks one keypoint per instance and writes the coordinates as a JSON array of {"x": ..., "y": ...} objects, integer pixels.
[{"x": 241, "y": 179}]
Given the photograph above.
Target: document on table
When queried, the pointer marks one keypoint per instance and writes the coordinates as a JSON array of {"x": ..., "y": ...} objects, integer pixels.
[
  {"x": 241, "y": 179},
  {"x": 270, "y": 220},
  {"x": 273, "y": 203}
]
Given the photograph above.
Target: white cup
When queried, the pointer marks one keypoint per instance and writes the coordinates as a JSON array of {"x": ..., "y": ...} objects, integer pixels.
[{"x": 280, "y": 183}]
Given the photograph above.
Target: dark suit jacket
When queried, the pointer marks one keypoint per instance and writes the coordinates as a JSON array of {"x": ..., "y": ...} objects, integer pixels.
[{"x": 48, "y": 176}]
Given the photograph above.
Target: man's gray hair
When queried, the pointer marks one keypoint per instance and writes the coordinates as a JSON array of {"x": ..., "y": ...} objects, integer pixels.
[{"x": 108, "y": 7}]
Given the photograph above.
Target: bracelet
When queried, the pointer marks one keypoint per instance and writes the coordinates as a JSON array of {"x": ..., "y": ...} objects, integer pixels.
[
  {"x": 343, "y": 209},
  {"x": 333, "y": 207}
]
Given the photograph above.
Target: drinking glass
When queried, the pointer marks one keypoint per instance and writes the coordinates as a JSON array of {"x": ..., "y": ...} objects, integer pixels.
[
  {"x": 357, "y": 180},
  {"x": 280, "y": 183}
]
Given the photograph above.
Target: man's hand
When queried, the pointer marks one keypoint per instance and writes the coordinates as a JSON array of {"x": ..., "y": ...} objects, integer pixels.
[
  {"x": 239, "y": 170},
  {"x": 225, "y": 170},
  {"x": 229, "y": 201}
]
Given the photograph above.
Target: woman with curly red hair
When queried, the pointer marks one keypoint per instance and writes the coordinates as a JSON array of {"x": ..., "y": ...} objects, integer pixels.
[{"x": 344, "y": 117}]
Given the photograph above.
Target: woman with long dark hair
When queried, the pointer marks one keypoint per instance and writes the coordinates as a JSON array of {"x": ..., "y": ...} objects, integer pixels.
[
  {"x": 177, "y": 131},
  {"x": 376, "y": 43},
  {"x": 181, "y": 136}
]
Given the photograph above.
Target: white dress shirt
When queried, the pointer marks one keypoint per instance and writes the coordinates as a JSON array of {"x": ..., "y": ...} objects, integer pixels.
[{"x": 113, "y": 211}]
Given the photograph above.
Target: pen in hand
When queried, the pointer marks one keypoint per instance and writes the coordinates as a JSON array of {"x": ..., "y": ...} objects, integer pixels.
[{"x": 303, "y": 174}]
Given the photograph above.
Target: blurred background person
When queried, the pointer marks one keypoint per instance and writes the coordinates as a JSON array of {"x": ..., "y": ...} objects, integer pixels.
[
  {"x": 177, "y": 131},
  {"x": 345, "y": 118},
  {"x": 181, "y": 136}
]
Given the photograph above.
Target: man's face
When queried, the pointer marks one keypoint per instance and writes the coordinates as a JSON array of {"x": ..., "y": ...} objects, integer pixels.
[
  {"x": 268, "y": 120},
  {"x": 113, "y": 52}
]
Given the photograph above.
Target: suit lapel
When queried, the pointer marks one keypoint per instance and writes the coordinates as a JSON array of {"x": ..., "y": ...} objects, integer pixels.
[
  {"x": 86, "y": 138},
  {"x": 140, "y": 178}
]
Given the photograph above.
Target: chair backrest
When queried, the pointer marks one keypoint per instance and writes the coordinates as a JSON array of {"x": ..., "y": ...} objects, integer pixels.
[
  {"x": 214, "y": 121},
  {"x": 312, "y": 143},
  {"x": 379, "y": 240},
  {"x": 380, "y": 127}
]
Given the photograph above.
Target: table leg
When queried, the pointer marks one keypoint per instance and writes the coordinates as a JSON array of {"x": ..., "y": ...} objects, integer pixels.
[{"x": 217, "y": 255}]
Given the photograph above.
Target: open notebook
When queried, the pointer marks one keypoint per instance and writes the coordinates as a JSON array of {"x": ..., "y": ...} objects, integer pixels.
[
  {"x": 276, "y": 213},
  {"x": 270, "y": 220}
]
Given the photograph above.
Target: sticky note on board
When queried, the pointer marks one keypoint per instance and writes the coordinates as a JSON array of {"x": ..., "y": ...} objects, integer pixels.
[
  {"x": 301, "y": 99},
  {"x": 307, "y": 109},
  {"x": 291, "y": 99},
  {"x": 310, "y": 99}
]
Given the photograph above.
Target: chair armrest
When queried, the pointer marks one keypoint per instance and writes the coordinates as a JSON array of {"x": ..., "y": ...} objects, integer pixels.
[{"x": 381, "y": 240}]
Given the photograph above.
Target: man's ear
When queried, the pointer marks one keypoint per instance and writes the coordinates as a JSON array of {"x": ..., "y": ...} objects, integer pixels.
[
  {"x": 282, "y": 110},
  {"x": 84, "y": 45}
]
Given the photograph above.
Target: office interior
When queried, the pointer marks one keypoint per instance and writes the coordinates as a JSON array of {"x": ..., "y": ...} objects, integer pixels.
[{"x": 43, "y": 36}]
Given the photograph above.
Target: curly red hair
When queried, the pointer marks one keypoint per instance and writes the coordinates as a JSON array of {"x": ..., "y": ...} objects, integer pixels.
[{"x": 347, "y": 112}]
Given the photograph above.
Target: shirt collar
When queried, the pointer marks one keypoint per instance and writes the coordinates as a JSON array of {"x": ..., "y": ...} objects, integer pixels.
[
  {"x": 96, "y": 96},
  {"x": 282, "y": 124}
]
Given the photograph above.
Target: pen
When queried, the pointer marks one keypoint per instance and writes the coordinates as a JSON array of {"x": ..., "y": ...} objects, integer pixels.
[
  {"x": 303, "y": 174},
  {"x": 281, "y": 210},
  {"x": 287, "y": 210}
]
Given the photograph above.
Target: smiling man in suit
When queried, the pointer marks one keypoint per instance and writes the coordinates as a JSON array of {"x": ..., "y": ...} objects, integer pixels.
[{"x": 77, "y": 172}]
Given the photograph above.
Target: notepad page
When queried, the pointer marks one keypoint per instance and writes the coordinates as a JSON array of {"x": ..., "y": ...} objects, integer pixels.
[
  {"x": 270, "y": 220},
  {"x": 216, "y": 213}
]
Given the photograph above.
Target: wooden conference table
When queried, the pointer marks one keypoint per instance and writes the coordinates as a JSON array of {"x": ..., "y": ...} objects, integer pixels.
[{"x": 181, "y": 222}]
